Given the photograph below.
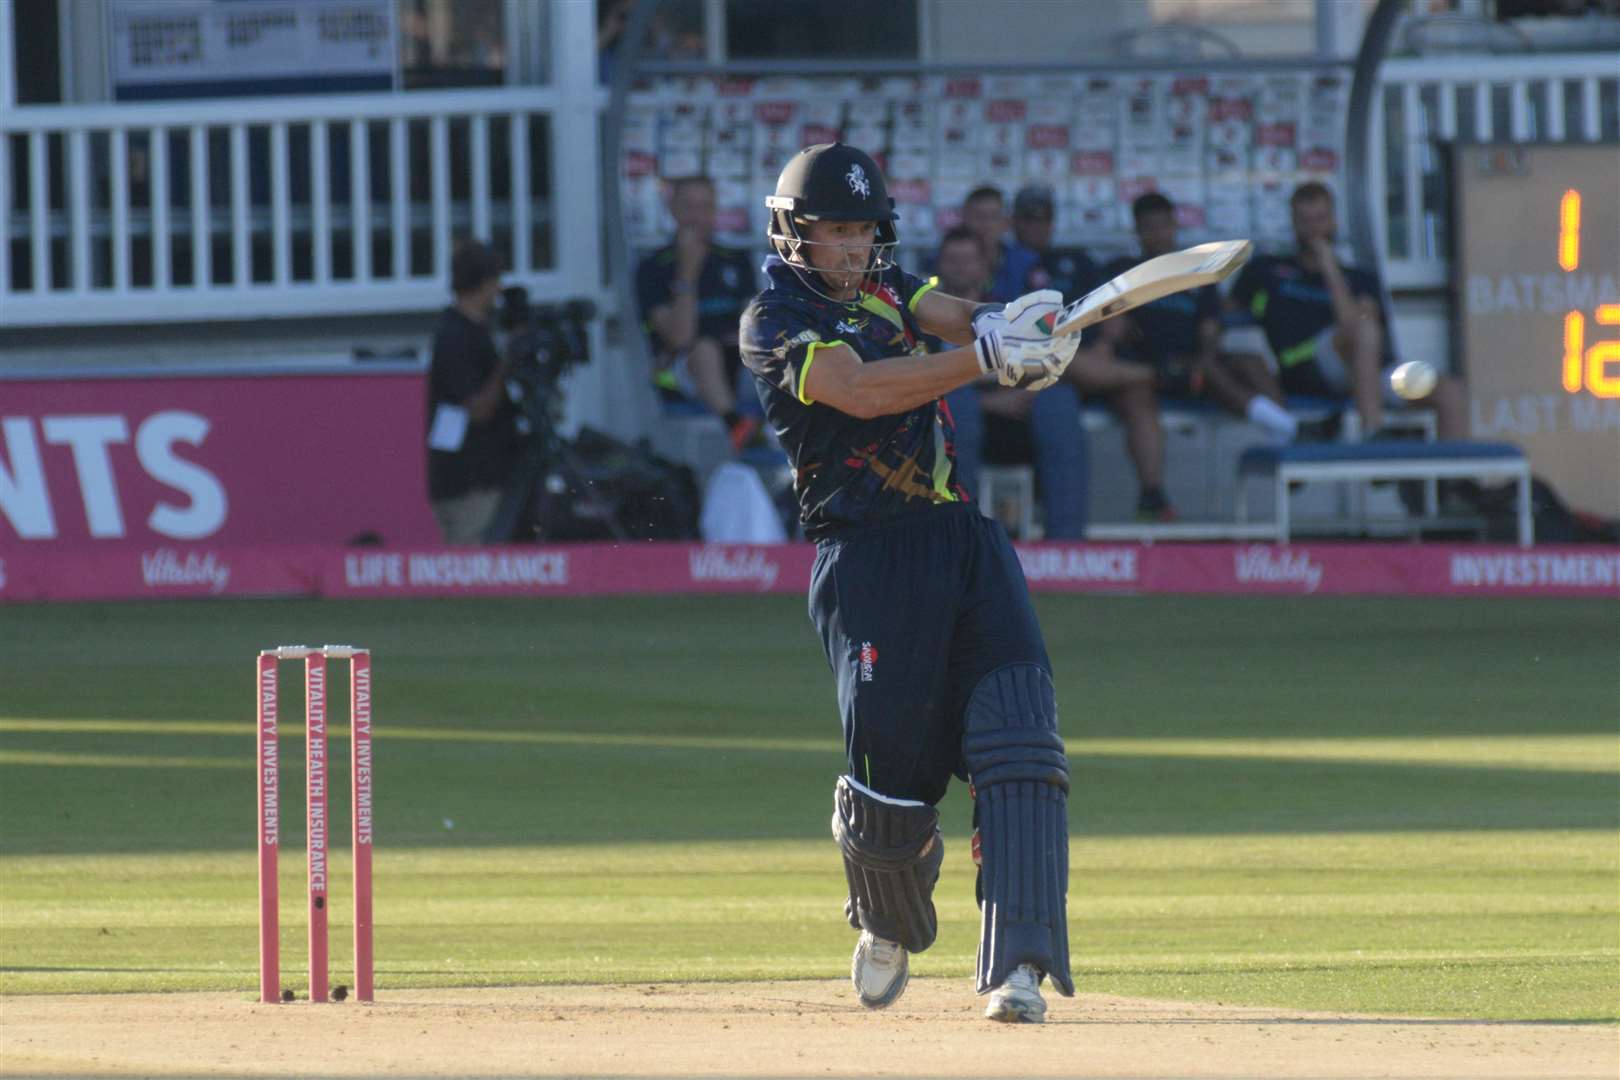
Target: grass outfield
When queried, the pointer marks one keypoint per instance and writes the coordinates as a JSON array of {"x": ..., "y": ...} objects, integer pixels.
[{"x": 1379, "y": 805}]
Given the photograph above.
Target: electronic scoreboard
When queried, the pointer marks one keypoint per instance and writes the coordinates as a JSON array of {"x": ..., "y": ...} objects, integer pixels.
[{"x": 1537, "y": 232}]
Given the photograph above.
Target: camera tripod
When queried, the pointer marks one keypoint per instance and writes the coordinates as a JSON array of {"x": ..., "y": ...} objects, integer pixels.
[{"x": 547, "y": 458}]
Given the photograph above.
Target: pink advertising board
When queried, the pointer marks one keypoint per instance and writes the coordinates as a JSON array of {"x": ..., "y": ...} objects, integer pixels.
[
  {"x": 138, "y": 465},
  {"x": 185, "y": 570}
]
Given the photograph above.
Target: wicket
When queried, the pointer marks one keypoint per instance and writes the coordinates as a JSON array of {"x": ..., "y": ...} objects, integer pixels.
[{"x": 316, "y": 778}]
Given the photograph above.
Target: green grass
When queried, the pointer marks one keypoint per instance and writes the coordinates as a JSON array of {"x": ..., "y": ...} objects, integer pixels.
[{"x": 1378, "y": 805}]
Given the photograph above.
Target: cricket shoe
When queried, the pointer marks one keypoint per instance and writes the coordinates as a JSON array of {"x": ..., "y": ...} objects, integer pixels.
[
  {"x": 1153, "y": 506},
  {"x": 1018, "y": 999},
  {"x": 879, "y": 970}
]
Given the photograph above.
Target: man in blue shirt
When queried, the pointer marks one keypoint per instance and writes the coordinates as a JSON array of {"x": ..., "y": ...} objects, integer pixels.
[
  {"x": 985, "y": 412},
  {"x": 984, "y": 213}
]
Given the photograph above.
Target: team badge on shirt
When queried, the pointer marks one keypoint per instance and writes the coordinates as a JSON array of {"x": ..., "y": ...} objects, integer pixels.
[{"x": 803, "y": 337}]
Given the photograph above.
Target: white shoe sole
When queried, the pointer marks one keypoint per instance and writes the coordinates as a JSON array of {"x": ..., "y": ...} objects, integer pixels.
[{"x": 1015, "y": 1010}]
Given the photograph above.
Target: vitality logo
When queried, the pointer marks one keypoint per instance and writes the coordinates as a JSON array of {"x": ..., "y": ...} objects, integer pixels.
[{"x": 868, "y": 660}]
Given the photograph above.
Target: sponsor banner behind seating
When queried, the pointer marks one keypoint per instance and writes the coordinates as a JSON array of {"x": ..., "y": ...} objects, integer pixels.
[
  {"x": 143, "y": 465},
  {"x": 571, "y": 570},
  {"x": 181, "y": 570}
]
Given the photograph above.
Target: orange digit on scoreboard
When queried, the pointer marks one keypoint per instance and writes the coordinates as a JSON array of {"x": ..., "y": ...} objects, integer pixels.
[
  {"x": 1574, "y": 346},
  {"x": 1569, "y": 230},
  {"x": 1584, "y": 369},
  {"x": 1598, "y": 380}
]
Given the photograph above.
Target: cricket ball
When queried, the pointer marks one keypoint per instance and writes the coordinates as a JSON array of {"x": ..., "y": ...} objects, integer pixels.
[{"x": 1414, "y": 380}]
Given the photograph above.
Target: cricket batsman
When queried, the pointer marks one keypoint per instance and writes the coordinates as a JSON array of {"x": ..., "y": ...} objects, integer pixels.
[{"x": 919, "y": 599}]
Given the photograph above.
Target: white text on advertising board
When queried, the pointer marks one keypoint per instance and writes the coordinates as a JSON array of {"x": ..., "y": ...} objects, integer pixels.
[
  {"x": 1117, "y": 565},
  {"x": 29, "y": 506},
  {"x": 1585, "y": 571}
]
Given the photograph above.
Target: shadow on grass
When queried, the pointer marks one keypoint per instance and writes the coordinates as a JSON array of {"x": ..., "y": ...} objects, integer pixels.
[
  {"x": 10, "y": 969},
  {"x": 748, "y": 665},
  {"x": 458, "y": 794}
]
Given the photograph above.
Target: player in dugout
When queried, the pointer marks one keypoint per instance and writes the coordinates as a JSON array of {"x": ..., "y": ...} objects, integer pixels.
[
  {"x": 1178, "y": 339},
  {"x": 690, "y": 293},
  {"x": 1096, "y": 372},
  {"x": 1325, "y": 323},
  {"x": 919, "y": 599}
]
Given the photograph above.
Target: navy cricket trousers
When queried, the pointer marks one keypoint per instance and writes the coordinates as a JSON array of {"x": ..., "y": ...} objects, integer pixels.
[{"x": 913, "y": 612}]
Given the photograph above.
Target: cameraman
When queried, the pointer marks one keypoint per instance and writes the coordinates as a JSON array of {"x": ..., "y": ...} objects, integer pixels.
[{"x": 471, "y": 438}]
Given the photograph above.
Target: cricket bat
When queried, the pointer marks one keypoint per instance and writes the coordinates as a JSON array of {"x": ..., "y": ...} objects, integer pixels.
[{"x": 1159, "y": 277}]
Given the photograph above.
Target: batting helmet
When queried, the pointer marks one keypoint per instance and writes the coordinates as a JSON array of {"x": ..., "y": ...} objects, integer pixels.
[{"x": 830, "y": 182}]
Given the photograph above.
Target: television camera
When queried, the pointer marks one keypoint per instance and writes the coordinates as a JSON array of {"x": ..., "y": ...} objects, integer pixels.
[{"x": 588, "y": 487}]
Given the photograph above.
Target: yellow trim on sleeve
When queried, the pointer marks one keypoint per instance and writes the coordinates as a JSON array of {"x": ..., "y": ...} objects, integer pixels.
[
  {"x": 911, "y": 305},
  {"x": 810, "y": 358}
]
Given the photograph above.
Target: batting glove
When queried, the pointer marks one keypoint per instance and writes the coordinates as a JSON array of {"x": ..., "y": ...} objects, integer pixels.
[
  {"x": 1020, "y": 318},
  {"x": 1027, "y": 363}
]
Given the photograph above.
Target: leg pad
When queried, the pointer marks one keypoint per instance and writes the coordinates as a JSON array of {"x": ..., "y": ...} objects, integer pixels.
[
  {"x": 892, "y": 854},
  {"x": 1021, "y": 783}
]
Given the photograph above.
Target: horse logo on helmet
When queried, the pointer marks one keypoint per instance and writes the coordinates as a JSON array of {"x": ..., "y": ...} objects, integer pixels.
[{"x": 856, "y": 178}]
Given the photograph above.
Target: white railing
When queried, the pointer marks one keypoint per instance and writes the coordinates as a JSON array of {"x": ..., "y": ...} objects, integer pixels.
[
  {"x": 335, "y": 205},
  {"x": 1427, "y": 102},
  {"x": 285, "y": 206}
]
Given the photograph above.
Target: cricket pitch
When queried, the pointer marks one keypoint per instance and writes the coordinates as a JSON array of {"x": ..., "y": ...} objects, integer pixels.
[{"x": 810, "y": 1028}]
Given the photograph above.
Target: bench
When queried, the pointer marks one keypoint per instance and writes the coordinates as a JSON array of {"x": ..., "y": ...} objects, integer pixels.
[
  {"x": 1202, "y": 444},
  {"x": 1299, "y": 464}
]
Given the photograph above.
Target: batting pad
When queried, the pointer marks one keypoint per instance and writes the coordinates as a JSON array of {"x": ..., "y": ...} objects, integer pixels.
[
  {"x": 892, "y": 854},
  {"x": 1021, "y": 782}
]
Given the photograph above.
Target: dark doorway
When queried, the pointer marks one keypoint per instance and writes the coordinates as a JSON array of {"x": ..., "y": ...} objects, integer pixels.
[{"x": 36, "y": 41}]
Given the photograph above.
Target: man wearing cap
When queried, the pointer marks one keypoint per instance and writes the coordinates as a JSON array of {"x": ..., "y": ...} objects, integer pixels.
[
  {"x": 1068, "y": 270},
  {"x": 1096, "y": 371}
]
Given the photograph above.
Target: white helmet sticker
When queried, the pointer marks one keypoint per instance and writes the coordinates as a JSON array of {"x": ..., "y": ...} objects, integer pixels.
[{"x": 856, "y": 177}]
